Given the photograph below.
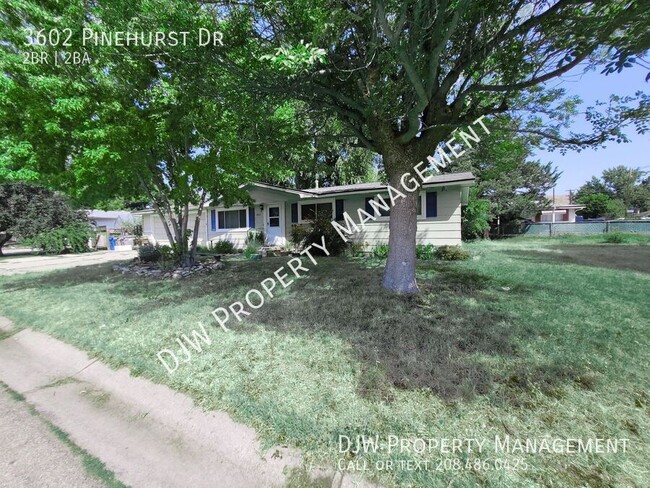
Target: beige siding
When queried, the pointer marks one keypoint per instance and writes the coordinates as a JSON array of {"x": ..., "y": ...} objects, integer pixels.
[
  {"x": 154, "y": 230},
  {"x": 440, "y": 230},
  {"x": 443, "y": 229},
  {"x": 236, "y": 236}
]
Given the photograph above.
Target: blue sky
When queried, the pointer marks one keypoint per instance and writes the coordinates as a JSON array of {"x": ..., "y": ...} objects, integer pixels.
[{"x": 578, "y": 167}]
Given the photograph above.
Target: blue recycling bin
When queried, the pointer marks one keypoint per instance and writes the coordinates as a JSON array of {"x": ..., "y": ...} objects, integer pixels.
[{"x": 111, "y": 243}]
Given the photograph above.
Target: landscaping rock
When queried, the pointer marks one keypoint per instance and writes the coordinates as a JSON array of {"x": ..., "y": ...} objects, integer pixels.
[{"x": 151, "y": 270}]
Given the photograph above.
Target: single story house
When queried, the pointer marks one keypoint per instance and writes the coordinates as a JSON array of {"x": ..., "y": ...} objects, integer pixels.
[
  {"x": 111, "y": 219},
  {"x": 559, "y": 213},
  {"x": 277, "y": 209}
]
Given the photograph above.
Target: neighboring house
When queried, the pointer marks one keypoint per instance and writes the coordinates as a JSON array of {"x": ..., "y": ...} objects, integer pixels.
[
  {"x": 563, "y": 213},
  {"x": 111, "y": 219},
  {"x": 561, "y": 210},
  {"x": 277, "y": 209}
]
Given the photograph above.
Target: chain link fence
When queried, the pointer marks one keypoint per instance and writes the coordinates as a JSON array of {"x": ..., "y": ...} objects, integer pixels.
[{"x": 549, "y": 229}]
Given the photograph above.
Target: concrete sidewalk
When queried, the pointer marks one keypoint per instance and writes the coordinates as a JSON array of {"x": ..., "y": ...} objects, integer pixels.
[
  {"x": 31, "y": 455},
  {"x": 146, "y": 434},
  {"x": 25, "y": 264}
]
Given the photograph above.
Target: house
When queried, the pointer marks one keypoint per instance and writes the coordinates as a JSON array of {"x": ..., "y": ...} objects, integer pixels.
[
  {"x": 277, "y": 209},
  {"x": 111, "y": 219},
  {"x": 562, "y": 210},
  {"x": 559, "y": 213}
]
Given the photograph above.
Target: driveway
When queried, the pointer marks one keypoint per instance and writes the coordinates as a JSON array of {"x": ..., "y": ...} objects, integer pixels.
[{"x": 11, "y": 265}]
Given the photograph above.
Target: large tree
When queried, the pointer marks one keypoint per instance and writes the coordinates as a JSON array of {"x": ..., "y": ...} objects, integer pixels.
[
  {"x": 134, "y": 122},
  {"x": 27, "y": 210},
  {"x": 618, "y": 188},
  {"x": 514, "y": 184},
  {"x": 404, "y": 75}
]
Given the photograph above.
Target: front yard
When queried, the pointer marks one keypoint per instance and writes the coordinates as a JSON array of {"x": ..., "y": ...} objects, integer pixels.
[{"x": 530, "y": 338}]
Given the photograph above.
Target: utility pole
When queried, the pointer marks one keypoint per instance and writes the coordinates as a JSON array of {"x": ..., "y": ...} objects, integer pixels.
[
  {"x": 571, "y": 196},
  {"x": 553, "y": 214}
]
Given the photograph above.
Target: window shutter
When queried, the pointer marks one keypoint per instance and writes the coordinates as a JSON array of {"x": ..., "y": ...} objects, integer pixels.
[
  {"x": 251, "y": 217},
  {"x": 432, "y": 204},
  {"x": 213, "y": 219},
  {"x": 338, "y": 215},
  {"x": 368, "y": 207},
  {"x": 294, "y": 213}
]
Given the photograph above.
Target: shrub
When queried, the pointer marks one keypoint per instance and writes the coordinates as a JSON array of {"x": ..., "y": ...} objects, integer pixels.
[
  {"x": 70, "y": 238},
  {"x": 615, "y": 237},
  {"x": 298, "y": 234},
  {"x": 476, "y": 217},
  {"x": 149, "y": 253},
  {"x": 256, "y": 236},
  {"x": 251, "y": 249},
  {"x": 380, "y": 251},
  {"x": 425, "y": 251},
  {"x": 452, "y": 253},
  {"x": 357, "y": 249},
  {"x": 223, "y": 247},
  {"x": 321, "y": 227}
]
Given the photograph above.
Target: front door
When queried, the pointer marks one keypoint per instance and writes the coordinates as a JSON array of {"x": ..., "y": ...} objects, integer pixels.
[{"x": 275, "y": 225}]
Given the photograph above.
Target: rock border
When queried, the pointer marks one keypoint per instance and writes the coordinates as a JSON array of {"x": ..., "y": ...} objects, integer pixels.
[{"x": 153, "y": 270}]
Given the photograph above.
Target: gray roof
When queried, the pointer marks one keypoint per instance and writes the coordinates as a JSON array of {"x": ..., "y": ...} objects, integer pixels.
[
  {"x": 376, "y": 186},
  {"x": 109, "y": 214}
]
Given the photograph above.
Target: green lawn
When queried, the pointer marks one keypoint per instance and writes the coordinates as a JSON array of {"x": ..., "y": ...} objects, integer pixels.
[{"x": 530, "y": 338}]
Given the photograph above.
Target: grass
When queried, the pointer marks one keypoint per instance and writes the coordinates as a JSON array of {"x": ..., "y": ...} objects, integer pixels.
[{"x": 531, "y": 338}]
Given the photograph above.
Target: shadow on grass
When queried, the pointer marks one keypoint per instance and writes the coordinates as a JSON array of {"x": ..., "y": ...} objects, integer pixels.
[
  {"x": 409, "y": 342},
  {"x": 612, "y": 256},
  {"x": 431, "y": 341}
]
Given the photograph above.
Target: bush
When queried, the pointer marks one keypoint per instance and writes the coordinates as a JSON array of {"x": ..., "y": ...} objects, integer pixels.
[
  {"x": 476, "y": 217},
  {"x": 380, "y": 251},
  {"x": 615, "y": 237},
  {"x": 149, "y": 253},
  {"x": 298, "y": 234},
  {"x": 251, "y": 249},
  {"x": 452, "y": 253},
  {"x": 70, "y": 238},
  {"x": 255, "y": 236},
  {"x": 322, "y": 227},
  {"x": 425, "y": 251},
  {"x": 223, "y": 247},
  {"x": 357, "y": 249}
]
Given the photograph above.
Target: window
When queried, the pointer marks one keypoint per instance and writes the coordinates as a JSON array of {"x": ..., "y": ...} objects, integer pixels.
[
  {"x": 378, "y": 205},
  {"x": 432, "y": 204},
  {"x": 339, "y": 210},
  {"x": 231, "y": 219},
  {"x": 312, "y": 210},
  {"x": 294, "y": 213},
  {"x": 274, "y": 216}
]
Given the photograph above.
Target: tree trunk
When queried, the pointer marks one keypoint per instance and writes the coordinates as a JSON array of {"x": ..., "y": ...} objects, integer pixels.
[
  {"x": 197, "y": 222},
  {"x": 4, "y": 237},
  {"x": 399, "y": 274}
]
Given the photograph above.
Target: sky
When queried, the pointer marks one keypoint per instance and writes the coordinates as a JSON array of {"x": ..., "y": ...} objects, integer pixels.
[{"x": 578, "y": 167}]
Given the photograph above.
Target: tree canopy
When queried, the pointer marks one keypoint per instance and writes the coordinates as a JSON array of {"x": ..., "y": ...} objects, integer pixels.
[
  {"x": 398, "y": 77},
  {"x": 402, "y": 76},
  {"x": 618, "y": 189},
  {"x": 27, "y": 210}
]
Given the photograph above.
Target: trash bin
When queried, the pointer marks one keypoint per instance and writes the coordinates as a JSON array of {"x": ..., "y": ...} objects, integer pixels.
[{"x": 111, "y": 243}]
